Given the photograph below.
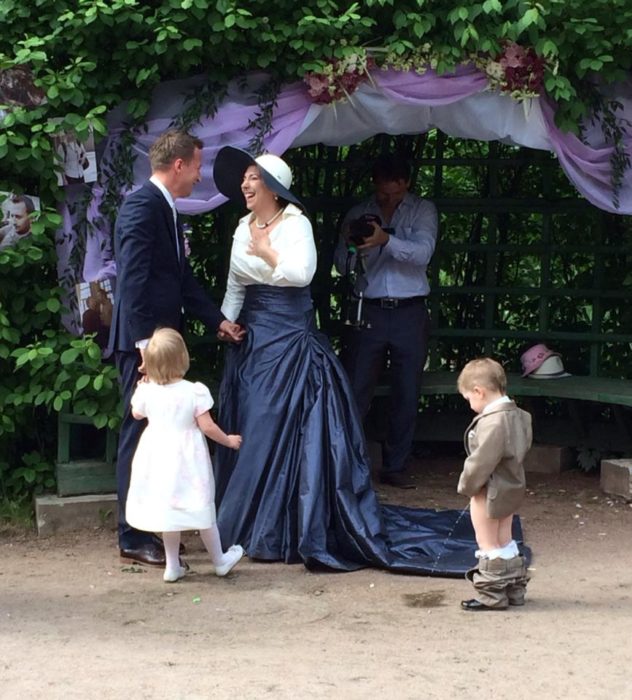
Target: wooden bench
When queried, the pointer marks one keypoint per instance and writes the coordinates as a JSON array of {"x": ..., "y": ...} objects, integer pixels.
[{"x": 585, "y": 398}]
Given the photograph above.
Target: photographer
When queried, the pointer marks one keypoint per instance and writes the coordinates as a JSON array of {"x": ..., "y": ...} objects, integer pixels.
[{"x": 389, "y": 240}]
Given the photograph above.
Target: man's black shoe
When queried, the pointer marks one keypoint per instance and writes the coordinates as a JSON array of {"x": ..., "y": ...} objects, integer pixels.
[
  {"x": 149, "y": 554},
  {"x": 399, "y": 480}
]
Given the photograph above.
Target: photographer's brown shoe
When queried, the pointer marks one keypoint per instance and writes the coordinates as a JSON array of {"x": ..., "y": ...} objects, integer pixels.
[{"x": 399, "y": 480}]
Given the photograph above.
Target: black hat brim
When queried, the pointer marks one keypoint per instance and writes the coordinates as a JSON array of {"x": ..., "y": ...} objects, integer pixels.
[{"x": 228, "y": 172}]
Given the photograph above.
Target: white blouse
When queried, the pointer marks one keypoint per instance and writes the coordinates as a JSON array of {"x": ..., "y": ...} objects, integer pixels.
[{"x": 292, "y": 238}]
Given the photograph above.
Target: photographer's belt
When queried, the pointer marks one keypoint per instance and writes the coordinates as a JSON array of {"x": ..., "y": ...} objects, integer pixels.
[{"x": 393, "y": 303}]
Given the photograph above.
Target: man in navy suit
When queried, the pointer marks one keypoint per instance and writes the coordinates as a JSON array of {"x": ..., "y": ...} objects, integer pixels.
[{"x": 154, "y": 286}]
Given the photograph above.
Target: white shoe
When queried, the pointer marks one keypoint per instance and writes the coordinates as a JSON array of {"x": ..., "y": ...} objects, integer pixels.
[
  {"x": 233, "y": 555},
  {"x": 173, "y": 575}
]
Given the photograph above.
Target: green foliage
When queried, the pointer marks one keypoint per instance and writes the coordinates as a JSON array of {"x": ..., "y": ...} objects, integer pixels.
[
  {"x": 149, "y": 42},
  {"x": 34, "y": 476},
  {"x": 16, "y": 515},
  {"x": 43, "y": 369}
]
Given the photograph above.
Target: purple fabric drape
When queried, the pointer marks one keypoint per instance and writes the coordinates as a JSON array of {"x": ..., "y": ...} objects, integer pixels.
[
  {"x": 429, "y": 88},
  {"x": 588, "y": 167},
  {"x": 439, "y": 99}
]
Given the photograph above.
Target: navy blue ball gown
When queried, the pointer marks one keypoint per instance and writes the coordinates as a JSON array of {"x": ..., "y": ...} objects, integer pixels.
[{"x": 299, "y": 489}]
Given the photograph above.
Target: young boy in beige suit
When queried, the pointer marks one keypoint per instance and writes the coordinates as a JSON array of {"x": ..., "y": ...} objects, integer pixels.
[{"x": 493, "y": 477}]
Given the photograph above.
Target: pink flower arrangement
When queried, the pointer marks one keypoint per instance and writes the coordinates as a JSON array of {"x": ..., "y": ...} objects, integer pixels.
[
  {"x": 339, "y": 78},
  {"x": 518, "y": 71}
]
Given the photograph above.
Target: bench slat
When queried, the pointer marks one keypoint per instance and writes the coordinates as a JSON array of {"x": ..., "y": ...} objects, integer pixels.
[{"x": 601, "y": 389}]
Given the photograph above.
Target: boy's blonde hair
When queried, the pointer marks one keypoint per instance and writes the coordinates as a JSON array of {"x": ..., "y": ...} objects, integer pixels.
[
  {"x": 166, "y": 356},
  {"x": 484, "y": 372}
]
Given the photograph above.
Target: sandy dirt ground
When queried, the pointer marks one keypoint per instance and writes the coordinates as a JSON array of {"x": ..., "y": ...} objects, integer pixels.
[{"x": 76, "y": 623}]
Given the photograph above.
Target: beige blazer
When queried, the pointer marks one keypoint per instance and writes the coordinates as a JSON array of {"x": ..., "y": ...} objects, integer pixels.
[{"x": 496, "y": 444}]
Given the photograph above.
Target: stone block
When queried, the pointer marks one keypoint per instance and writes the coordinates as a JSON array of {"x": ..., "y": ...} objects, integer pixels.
[
  {"x": 616, "y": 477},
  {"x": 549, "y": 459},
  {"x": 54, "y": 514}
]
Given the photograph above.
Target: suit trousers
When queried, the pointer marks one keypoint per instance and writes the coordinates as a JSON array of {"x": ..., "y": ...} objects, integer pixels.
[
  {"x": 127, "y": 364},
  {"x": 401, "y": 335}
]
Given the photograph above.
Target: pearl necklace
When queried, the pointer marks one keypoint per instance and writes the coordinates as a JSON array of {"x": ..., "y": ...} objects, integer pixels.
[{"x": 267, "y": 223}]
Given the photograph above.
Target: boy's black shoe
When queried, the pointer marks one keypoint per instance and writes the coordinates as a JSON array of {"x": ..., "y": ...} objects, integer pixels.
[{"x": 476, "y": 606}]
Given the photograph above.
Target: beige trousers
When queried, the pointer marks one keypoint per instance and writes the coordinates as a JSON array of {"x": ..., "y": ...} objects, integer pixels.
[{"x": 499, "y": 582}]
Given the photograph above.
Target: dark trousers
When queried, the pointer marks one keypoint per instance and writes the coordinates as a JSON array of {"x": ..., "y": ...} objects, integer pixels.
[
  {"x": 127, "y": 364},
  {"x": 400, "y": 334}
]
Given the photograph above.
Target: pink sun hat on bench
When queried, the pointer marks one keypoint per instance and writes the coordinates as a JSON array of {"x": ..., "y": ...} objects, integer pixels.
[{"x": 540, "y": 362}]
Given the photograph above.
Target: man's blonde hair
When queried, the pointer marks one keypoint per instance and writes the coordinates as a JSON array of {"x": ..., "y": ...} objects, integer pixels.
[
  {"x": 171, "y": 145},
  {"x": 166, "y": 356},
  {"x": 484, "y": 372}
]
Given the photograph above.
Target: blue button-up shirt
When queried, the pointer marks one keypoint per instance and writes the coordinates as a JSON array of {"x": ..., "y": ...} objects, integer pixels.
[{"x": 398, "y": 268}]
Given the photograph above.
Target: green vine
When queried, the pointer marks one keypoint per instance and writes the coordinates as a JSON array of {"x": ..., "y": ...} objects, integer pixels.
[
  {"x": 615, "y": 128},
  {"x": 261, "y": 125},
  {"x": 203, "y": 102}
]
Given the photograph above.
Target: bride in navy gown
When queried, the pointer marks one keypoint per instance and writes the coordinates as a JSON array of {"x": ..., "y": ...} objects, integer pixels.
[{"x": 299, "y": 489}]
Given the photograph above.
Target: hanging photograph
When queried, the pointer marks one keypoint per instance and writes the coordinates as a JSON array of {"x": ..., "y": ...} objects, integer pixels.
[
  {"x": 77, "y": 161},
  {"x": 95, "y": 301},
  {"x": 17, "y": 88},
  {"x": 17, "y": 217}
]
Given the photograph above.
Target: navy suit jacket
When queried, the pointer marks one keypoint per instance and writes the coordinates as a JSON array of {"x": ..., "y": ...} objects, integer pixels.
[{"x": 153, "y": 286}]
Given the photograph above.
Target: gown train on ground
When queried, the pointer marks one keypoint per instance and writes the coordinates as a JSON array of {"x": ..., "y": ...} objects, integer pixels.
[{"x": 299, "y": 489}]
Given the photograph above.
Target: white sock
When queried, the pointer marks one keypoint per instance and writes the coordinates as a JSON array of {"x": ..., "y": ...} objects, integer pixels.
[
  {"x": 511, "y": 548},
  {"x": 212, "y": 542},
  {"x": 509, "y": 551},
  {"x": 171, "y": 541}
]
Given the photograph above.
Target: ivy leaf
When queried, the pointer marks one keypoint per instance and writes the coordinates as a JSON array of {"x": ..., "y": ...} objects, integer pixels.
[
  {"x": 82, "y": 382},
  {"x": 190, "y": 44},
  {"x": 69, "y": 356}
]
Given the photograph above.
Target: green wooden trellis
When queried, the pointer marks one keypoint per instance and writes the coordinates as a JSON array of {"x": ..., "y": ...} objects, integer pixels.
[
  {"x": 521, "y": 257},
  {"x": 491, "y": 224}
]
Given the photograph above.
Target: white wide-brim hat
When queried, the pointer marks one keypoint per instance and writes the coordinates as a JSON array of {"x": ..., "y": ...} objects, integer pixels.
[{"x": 231, "y": 163}]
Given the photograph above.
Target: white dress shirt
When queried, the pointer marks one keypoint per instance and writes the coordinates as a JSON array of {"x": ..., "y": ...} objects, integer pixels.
[
  {"x": 397, "y": 269},
  {"x": 292, "y": 239},
  {"x": 170, "y": 201}
]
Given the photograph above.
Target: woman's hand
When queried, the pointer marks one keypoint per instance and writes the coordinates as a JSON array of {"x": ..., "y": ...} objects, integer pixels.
[
  {"x": 232, "y": 332},
  {"x": 261, "y": 247}
]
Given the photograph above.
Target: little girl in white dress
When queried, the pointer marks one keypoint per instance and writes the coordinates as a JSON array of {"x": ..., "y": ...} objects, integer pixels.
[{"x": 172, "y": 487}]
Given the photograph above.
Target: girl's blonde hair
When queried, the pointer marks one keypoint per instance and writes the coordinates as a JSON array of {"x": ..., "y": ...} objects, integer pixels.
[
  {"x": 166, "y": 356},
  {"x": 483, "y": 372}
]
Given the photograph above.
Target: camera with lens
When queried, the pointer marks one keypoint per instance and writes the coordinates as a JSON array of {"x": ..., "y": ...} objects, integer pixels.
[{"x": 362, "y": 228}]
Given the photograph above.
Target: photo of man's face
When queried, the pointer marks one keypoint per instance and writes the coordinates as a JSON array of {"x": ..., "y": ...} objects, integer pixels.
[{"x": 17, "y": 215}]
